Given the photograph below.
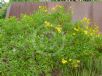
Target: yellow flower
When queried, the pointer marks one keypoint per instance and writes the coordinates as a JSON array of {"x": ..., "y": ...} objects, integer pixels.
[
  {"x": 86, "y": 32},
  {"x": 70, "y": 59},
  {"x": 59, "y": 29},
  {"x": 64, "y": 61},
  {"x": 58, "y": 6},
  {"x": 74, "y": 33},
  {"x": 40, "y": 7},
  {"x": 45, "y": 10},
  {"x": 98, "y": 35},
  {"x": 86, "y": 20},
  {"x": 87, "y": 27},
  {"x": 53, "y": 9},
  {"x": 47, "y": 24},
  {"x": 78, "y": 61},
  {"x": 91, "y": 34},
  {"x": 76, "y": 29}
]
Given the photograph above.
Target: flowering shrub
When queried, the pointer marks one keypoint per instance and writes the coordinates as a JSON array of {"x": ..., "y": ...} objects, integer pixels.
[{"x": 47, "y": 42}]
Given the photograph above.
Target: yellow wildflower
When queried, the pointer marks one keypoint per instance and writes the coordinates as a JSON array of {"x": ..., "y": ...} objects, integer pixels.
[
  {"x": 91, "y": 34},
  {"x": 40, "y": 7},
  {"x": 47, "y": 24},
  {"x": 86, "y": 20},
  {"x": 70, "y": 59},
  {"x": 64, "y": 61},
  {"x": 76, "y": 29},
  {"x": 78, "y": 61},
  {"x": 74, "y": 33},
  {"x": 45, "y": 10},
  {"x": 98, "y": 35},
  {"x": 87, "y": 27},
  {"x": 53, "y": 9},
  {"x": 58, "y": 6},
  {"x": 59, "y": 29},
  {"x": 86, "y": 32}
]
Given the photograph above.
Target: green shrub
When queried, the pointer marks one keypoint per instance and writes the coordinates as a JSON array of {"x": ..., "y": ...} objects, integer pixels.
[
  {"x": 47, "y": 43},
  {"x": 3, "y": 11}
]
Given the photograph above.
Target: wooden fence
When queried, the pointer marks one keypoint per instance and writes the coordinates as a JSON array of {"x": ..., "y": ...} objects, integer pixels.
[{"x": 92, "y": 10}]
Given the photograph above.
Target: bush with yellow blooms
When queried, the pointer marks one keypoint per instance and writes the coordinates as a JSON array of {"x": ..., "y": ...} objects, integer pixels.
[{"x": 47, "y": 42}]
